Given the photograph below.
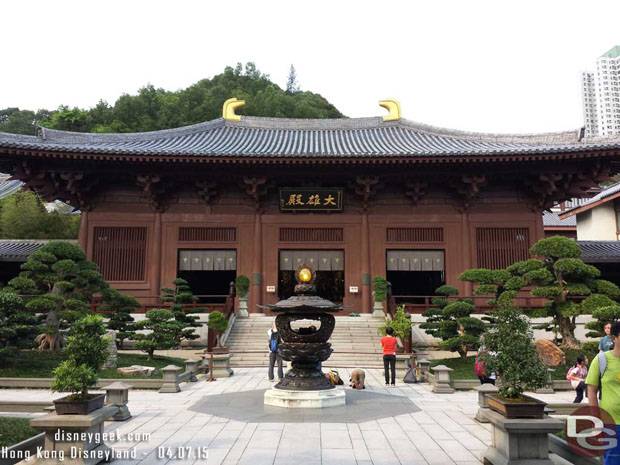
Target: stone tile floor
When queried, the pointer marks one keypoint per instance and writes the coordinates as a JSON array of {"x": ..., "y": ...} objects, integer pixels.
[{"x": 443, "y": 432}]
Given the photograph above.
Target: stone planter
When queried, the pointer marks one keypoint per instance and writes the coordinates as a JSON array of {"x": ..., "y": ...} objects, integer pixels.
[
  {"x": 242, "y": 310},
  {"x": 519, "y": 441},
  {"x": 69, "y": 406},
  {"x": 72, "y": 434},
  {"x": 525, "y": 407},
  {"x": 221, "y": 366},
  {"x": 378, "y": 311}
]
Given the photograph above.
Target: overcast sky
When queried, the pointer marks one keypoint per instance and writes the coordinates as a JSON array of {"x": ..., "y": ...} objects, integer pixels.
[{"x": 490, "y": 66}]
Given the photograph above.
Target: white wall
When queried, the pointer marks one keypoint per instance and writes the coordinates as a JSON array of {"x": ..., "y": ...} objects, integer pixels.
[{"x": 597, "y": 224}]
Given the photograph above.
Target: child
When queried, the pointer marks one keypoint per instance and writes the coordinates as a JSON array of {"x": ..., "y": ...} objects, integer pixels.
[{"x": 577, "y": 377}]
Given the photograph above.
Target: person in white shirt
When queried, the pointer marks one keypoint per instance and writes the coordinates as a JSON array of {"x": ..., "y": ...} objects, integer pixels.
[{"x": 577, "y": 376}]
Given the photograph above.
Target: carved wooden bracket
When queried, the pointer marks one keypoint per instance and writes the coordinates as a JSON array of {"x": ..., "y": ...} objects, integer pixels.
[
  {"x": 545, "y": 189},
  {"x": 468, "y": 190},
  {"x": 155, "y": 190},
  {"x": 415, "y": 191},
  {"x": 74, "y": 188},
  {"x": 256, "y": 189},
  {"x": 207, "y": 190},
  {"x": 366, "y": 189}
]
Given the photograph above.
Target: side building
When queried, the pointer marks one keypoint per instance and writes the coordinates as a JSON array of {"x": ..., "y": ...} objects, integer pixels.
[{"x": 354, "y": 197}]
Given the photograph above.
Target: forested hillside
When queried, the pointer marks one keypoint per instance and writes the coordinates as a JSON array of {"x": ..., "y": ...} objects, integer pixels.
[{"x": 154, "y": 108}]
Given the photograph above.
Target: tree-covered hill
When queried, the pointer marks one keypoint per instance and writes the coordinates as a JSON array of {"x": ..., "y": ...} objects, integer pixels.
[{"x": 152, "y": 109}]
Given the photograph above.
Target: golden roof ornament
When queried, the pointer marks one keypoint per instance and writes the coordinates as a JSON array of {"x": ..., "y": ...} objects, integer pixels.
[
  {"x": 229, "y": 107},
  {"x": 393, "y": 107}
]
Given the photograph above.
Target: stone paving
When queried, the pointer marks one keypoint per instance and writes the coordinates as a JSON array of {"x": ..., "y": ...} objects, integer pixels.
[{"x": 443, "y": 432}]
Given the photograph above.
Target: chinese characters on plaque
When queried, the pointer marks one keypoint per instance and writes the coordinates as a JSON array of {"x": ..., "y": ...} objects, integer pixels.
[{"x": 321, "y": 199}]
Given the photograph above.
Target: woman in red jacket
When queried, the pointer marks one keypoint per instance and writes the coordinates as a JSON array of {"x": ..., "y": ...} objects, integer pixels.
[{"x": 389, "y": 356}]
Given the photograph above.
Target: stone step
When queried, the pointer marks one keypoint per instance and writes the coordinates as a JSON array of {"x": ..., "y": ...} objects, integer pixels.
[{"x": 333, "y": 359}]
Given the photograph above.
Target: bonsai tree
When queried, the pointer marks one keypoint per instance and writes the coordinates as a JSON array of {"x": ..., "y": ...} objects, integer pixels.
[
  {"x": 163, "y": 329},
  {"x": 511, "y": 353},
  {"x": 242, "y": 286},
  {"x": 379, "y": 288},
  {"x": 218, "y": 323},
  {"x": 602, "y": 316},
  {"x": 85, "y": 353},
  {"x": 59, "y": 282},
  {"x": 179, "y": 298},
  {"x": 18, "y": 326},
  {"x": 496, "y": 283},
  {"x": 569, "y": 285},
  {"x": 119, "y": 307},
  {"x": 452, "y": 322},
  {"x": 564, "y": 280},
  {"x": 401, "y": 324}
]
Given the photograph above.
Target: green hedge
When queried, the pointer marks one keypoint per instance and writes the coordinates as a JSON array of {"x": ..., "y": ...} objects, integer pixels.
[
  {"x": 34, "y": 364},
  {"x": 14, "y": 430}
]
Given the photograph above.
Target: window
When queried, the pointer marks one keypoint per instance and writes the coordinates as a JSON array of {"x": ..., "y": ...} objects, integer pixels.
[
  {"x": 498, "y": 248},
  {"x": 120, "y": 253}
]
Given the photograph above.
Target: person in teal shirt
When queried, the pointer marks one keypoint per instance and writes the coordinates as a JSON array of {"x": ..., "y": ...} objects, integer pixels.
[
  {"x": 606, "y": 342},
  {"x": 610, "y": 389}
]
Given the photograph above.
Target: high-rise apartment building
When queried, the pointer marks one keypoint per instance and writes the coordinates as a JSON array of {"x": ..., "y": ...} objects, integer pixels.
[{"x": 601, "y": 96}]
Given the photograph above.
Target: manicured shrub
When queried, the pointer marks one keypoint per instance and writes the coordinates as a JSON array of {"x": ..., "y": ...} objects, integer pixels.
[
  {"x": 379, "y": 288},
  {"x": 242, "y": 285}
]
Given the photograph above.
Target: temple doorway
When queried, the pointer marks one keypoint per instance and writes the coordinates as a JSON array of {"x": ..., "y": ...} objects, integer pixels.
[
  {"x": 209, "y": 272},
  {"x": 415, "y": 274},
  {"x": 329, "y": 266}
]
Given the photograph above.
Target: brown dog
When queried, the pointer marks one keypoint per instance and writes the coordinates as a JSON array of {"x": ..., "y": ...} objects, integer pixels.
[{"x": 357, "y": 379}]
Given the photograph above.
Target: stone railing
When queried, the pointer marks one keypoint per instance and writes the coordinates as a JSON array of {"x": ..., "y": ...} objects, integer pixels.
[
  {"x": 559, "y": 447},
  {"x": 172, "y": 377}
]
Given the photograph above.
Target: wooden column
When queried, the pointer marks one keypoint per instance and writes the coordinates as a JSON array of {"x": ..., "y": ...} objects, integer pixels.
[
  {"x": 366, "y": 188},
  {"x": 156, "y": 255},
  {"x": 257, "y": 261},
  {"x": 468, "y": 249},
  {"x": 83, "y": 233},
  {"x": 365, "y": 261},
  {"x": 256, "y": 188},
  {"x": 539, "y": 232}
]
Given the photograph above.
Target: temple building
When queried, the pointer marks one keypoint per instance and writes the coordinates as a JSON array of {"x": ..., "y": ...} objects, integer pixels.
[{"x": 354, "y": 197}]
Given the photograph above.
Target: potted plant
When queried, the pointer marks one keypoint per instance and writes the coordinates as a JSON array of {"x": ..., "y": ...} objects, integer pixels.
[
  {"x": 85, "y": 353},
  {"x": 401, "y": 324},
  {"x": 218, "y": 324},
  {"x": 242, "y": 287},
  {"x": 379, "y": 292},
  {"x": 510, "y": 354}
]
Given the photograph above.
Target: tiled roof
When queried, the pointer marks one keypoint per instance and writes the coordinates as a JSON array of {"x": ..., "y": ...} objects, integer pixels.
[
  {"x": 551, "y": 219},
  {"x": 600, "y": 251},
  {"x": 601, "y": 196},
  {"x": 8, "y": 187},
  {"x": 277, "y": 137},
  {"x": 18, "y": 250}
]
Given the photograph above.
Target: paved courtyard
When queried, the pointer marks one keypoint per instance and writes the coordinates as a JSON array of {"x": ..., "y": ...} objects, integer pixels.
[{"x": 442, "y": 432}]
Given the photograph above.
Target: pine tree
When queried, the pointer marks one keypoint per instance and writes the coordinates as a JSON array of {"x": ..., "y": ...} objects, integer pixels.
[
  {"x": 292, "y": 85},
  {"x": 452, "y": 322},
  {"x": 62, "y": 282},
  {"x": 179, "y": 298},
  {"x": 18, "y": 326},
  {"x": 120, "y": 306},
  {"x": 163, "y": 329},
  {"x": 569, "y": 285}
]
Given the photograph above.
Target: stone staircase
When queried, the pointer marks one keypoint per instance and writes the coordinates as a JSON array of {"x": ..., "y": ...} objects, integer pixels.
[{"x": 355, "y": 341}]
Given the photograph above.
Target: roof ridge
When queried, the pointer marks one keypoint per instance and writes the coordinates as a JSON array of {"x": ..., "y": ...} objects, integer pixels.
[{"x": 57, "y": 135}]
